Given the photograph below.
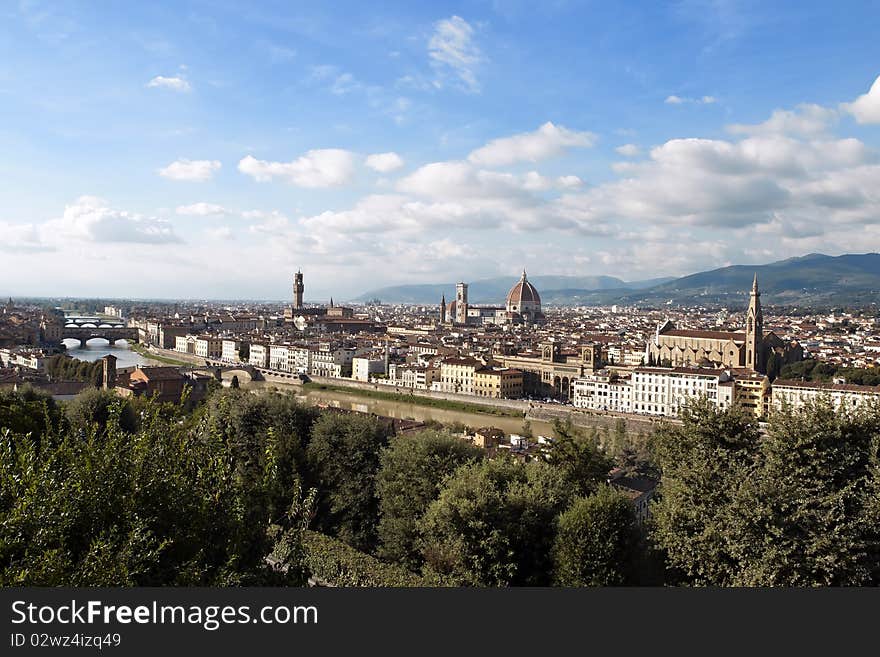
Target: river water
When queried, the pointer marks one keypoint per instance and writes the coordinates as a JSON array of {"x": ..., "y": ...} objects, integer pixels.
[
  {"x": 97, "y": 348},
  {"x": 405, "y": 411}
]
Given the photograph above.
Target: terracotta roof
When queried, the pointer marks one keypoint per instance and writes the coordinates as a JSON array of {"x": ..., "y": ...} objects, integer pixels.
[
  {"x": 523, "y": 292},
  {"x": 825, "y": 385},
  {"x": 709, "y": 335},
  {"x": 160, "y": 373}
]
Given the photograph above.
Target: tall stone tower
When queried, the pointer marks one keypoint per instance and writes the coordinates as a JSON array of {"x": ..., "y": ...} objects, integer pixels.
[
  {"x": 755, "y": 331},
  {"x": 443, "y": 308},
  {"x": 298, "y": 290},
  {"x": 461, "y": 303},
  {"x": 108, "y": 372}
]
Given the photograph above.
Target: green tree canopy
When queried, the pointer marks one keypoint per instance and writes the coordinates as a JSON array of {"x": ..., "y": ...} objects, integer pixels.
[
  {"x": 343, "y": 458},
  {"x": 492, "y": 524},
  {"x": 796, "y": 507},
  {"x": 577, "y": 454},
  {"x": 411, "y": 472},
  {"x": 596, "y": 541},
  {"x": 160, "y": 506}
]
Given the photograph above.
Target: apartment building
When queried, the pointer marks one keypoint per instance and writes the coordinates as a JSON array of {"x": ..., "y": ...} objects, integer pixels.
[
  {"x": 664, "y": 391},
  {"x": 795, "y": 394},
  {"x": 498, "y": 382},
  {"x": 603, "y": 391}
]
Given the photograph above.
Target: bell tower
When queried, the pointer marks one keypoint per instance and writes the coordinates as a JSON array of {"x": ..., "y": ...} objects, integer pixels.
[
  {"x": 755, "y": 331},
  {"x": 298, "y": 290},
  {"x": 443, "y": 308},
  {"x": 461, "y": 303}
]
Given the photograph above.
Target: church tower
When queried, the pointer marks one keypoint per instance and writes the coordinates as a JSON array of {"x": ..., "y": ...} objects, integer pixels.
[
  {"x": 755, "y": 331},
  {"x": 443, "y": 308},
  {"x": 461, "y": 303},
  {"x": 298, "y": 290}
]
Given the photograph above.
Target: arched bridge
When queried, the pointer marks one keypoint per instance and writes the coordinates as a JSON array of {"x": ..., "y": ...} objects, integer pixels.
[
  {"x": 109, "y": 333},
  {"x": 93, "y": 321},
  {"x": 243, "y": 371}
]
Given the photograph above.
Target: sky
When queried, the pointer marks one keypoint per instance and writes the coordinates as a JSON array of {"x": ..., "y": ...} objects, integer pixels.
[{"x": 209, "y": 149}]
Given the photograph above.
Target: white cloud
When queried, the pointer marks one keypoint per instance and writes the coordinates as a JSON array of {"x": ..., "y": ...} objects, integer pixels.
[
  {"x": 535, "y": 182},
  {"x": 569, "y": 182},
  {"x": 547, "y": 141},
  {"x": 681, "y": 100},
  {"x": 317, "y": 168},
  {"x": 705, "y": 182},
  {"x": 220, "y": 233},
  {"x": 453, "y": 53},
  {"x": 384, "y": 162},
  {"x": 270, "y": 222},
  {"x": 190, "y": 170},
  {"x": 806, "y": 119},
  {"x": 456, "y": 195},
  {"x": 866, "y": 108},
  {"x": 22, "y": 238},
  {"x": 201, "y": 209},
  {"x": 173, "y": 83},
  {"x": 344, "y": 83},
  {"x": 629, "y": 150},
  {"x": 91, "y": 219}
]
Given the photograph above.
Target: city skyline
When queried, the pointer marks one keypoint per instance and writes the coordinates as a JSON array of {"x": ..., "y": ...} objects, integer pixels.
[{"x": 178, "y": 152}]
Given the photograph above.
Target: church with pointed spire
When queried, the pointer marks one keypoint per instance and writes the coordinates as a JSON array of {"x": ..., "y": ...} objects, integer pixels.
[
  {"x": 751, "y": 348},
  {"x": 522, "y": 306}
]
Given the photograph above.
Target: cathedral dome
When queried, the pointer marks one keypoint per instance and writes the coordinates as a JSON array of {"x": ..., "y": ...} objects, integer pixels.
[{"x": 523, "y": 296}]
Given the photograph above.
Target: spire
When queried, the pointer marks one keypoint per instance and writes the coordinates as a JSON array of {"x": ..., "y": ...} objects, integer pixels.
[
  {"x": 331, "y": 302},
  {"x": 755, "y": 283},
  {"x": 524, "y": 273}
]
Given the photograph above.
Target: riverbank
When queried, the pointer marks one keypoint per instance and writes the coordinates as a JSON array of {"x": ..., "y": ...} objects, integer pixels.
[
  {"x": 156, "y": 358},
  {"x": 417, "y": 400}
]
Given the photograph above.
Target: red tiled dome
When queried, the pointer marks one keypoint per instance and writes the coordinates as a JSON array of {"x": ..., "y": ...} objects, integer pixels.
[{"x": 523, "y": 293}]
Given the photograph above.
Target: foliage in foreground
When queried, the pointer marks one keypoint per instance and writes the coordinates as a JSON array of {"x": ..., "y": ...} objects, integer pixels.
[
  {"x": 333, "y": 562},
  {"x": 163, "y": 505},
  {"x": 797, "y": 507}
]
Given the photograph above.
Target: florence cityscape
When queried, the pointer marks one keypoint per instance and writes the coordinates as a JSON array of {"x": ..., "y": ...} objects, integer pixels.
[{"x": 476, "y": 295}]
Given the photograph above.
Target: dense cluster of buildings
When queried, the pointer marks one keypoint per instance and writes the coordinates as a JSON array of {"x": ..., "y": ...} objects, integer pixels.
[{"x": 608, "y": 360}]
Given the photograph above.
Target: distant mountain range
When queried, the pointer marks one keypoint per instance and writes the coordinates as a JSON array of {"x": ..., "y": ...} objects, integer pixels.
[
  {"x": 814, "y": 279},
  {"x": 494, "y": 290}
]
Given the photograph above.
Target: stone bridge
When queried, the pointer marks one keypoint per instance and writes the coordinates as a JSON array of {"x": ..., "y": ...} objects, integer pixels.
[
  {"x": 94, "y": 321},
  {"x": 109, "y": 333},
  {"x": 243, "y": 371}
]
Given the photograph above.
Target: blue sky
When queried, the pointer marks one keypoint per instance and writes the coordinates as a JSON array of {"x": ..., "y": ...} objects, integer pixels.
[{"x": 209, "y": 149}]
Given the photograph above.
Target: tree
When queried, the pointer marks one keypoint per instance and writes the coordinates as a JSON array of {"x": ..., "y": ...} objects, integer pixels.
[
  {"x": 578, "y": 456},
  {"x": 92, "y": 408},
  {"x": 596, "y": 541},
  {"x": 28, "y": 411},
  {"x": 815, "y": 501},
  {"x": 234, "y": 383},
  {"x": 492, "y": 524},
  {"x": 772, "y": 366},
  {"x": 797, "y": 507},
  {"x": 343, "y": 459},
  {"x": 412, "y": 469},
  {"x": 704, "y": 463},
  {"x": 265, "y": 433},
  {"x": 160, "y": 506}
]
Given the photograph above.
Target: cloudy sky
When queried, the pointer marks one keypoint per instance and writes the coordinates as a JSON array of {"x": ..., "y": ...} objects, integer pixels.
[{"x": 211, "y": 148}]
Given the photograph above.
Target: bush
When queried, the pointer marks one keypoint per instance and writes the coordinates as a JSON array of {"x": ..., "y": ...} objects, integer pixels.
[{"x": 335, "y": 563}]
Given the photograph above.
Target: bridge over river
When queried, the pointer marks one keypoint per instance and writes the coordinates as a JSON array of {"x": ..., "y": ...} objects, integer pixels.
[{"x": 110, "y": 333}]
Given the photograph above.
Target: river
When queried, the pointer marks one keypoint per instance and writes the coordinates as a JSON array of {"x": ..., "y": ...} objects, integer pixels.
[
  {"x": 402, "y": 410},
  {"x": 97, "y": 348}
]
